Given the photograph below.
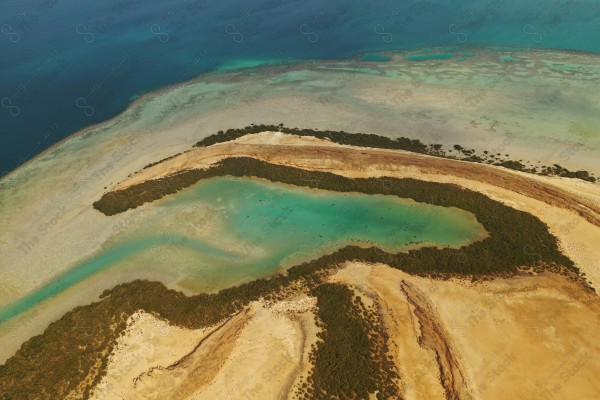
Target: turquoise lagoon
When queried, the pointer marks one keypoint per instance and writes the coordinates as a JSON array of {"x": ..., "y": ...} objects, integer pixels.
[{"x": 251, "y": 228}]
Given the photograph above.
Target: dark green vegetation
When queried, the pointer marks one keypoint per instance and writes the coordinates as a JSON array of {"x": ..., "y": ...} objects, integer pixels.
[
  {"x": 354, "y": 139},
  {"x": 71, "y": 355},
  {"x": 351, "y": 359},
  {"x": 160, "y": 161},
  {"x": 401, "y": 143}
]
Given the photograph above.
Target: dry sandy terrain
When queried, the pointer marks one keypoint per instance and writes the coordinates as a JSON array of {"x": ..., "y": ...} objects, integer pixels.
[
  {"x": 517, "y": 338},
  {"x": 259, "y": 353},
  {"x": 527, "y": 337}
]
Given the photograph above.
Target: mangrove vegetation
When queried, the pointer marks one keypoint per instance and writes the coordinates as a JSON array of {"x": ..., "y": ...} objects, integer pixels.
[{"x": 401, "y": 143}]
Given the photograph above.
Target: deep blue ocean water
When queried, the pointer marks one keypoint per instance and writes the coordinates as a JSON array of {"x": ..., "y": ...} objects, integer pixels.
[{"x": 66, "y": 64}]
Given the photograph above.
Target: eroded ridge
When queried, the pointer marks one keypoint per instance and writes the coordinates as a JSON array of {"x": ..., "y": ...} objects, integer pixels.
[{"x": 432, "y": 335}]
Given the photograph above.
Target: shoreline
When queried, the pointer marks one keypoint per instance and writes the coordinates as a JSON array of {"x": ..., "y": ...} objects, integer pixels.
[{"x": 216, "y": 72}]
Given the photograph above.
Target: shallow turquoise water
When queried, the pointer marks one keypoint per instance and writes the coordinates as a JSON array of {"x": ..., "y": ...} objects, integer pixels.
[{"x": 286, "y": 224}]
